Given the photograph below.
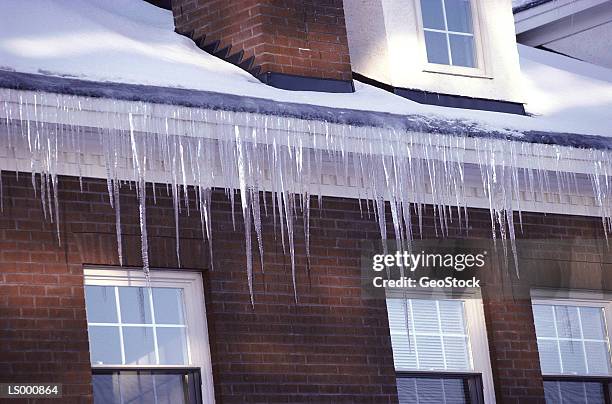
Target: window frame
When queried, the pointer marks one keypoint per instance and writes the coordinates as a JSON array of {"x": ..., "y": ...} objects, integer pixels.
[
  {"x": 579, "y": 298},
  {"x": 480, "y": 69},
  {"x": 478, "y": 344},
  {"x": 191, "y": 282}
]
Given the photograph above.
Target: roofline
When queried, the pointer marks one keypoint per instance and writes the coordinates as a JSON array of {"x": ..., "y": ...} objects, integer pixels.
[
  {"x": 543, "y": 12},
  {"x": 527, "y": 6},
  {"x": 237, "y": 103}
]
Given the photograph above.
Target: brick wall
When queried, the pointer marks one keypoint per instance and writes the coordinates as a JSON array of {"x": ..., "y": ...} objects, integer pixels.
[
  {"x": 298, "y": 37},
  {"x": 43, "y": 333},
  {"x": 333, "y": 346}
]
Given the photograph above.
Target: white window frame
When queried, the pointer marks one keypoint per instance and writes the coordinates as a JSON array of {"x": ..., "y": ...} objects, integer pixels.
[
  {"x": 577, "y": 298},
  {"x": 198, "y": 348},
  {"x": 478, "y": 342},
  {"x": 480, "y": 68}
]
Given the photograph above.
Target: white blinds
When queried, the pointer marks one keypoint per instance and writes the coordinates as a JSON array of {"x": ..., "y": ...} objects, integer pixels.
[
  {"x": 572, "y": 340},
  {"x": 428, "y": 335}
]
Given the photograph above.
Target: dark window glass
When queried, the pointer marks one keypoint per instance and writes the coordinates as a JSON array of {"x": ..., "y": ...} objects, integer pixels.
[
  {"x": 576, "y": 390},
  {"x": 462, "y": 50},
  {"x": 415, "y": 387},
  {"x": 437, "y": 49},
  {"x": 159, "y": 386}
]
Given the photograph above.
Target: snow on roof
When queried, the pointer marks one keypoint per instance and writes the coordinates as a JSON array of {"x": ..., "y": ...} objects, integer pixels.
[
  {"x": 521, "y": 5},
  {"x": 133, "y": 42}
]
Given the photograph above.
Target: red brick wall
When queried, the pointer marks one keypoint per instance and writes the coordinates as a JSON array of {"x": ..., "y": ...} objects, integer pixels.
[
  {"x": 300, "y": 37},
  {"x": 43, "y": 333},
  {"x": 333, "y": 346},
  {"x": 514, "y": 351}
]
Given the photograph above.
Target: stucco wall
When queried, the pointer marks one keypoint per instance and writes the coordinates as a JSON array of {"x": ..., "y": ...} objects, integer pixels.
[{"x": 386, "y": 44}]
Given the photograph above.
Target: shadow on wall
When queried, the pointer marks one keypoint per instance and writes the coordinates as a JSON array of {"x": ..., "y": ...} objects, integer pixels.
[{"x": 165, "y": 4}]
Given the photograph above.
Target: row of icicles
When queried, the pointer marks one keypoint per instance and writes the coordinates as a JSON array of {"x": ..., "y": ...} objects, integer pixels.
[{"x": 189, "y": 147}]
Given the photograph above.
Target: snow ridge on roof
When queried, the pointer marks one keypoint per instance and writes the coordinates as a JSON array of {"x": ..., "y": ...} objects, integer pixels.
[{"x": 522, "y": 5}]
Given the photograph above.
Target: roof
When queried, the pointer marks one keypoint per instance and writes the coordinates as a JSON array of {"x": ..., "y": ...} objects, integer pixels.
[
  {"x": 134, "y": 43},
  {"x": 522, "y": 5}
]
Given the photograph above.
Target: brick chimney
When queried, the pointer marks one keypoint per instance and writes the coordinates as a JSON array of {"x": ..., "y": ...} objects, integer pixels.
[{"x": 292, "y": 44}]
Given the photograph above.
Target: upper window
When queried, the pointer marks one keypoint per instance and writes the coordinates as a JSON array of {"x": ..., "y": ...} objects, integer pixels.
[
  {"x": 574, "y": 350},
  {"x": 144, "y": 347},
  {"x": 449, "y": 32},
  {"x": 433, "y": 354}
]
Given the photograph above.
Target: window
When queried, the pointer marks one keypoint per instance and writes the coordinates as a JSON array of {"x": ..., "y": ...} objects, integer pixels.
[
  {"x": 449, "y": 32},
  {"x": 574, "y": 350},
  {"x": 432, "y": 351},
  {"x": 145, "y": 345}
]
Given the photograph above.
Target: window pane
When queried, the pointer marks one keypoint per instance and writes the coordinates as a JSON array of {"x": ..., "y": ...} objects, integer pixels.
[
  {"x": 429, "y": 350},
  {"x": 451, "y": 316},
  {"x": 168, "y": 305},
  {"x": 145, "y": 387},
  {"x": 568, "y": 324},
  {"x": 139, "y": 347},
  {"x": 456, "y": 353},
  {"x": 459, "y": 15},
  {"x": 104, "y": 345},
  {"x": 544, "y": 321},
  {"x": 437, "y": 49},
  {"x": 169, "y": 389},
  {"x": 431, "y": 390},
  {"x": 598, "y": 357},
  {"x": 135, "y": 305},
  {"x": 101, "y": 304},
  {"x": 172, "y": 346},
  {"x": 557, "y": 392},
  {"x": 572, "y": 357},
  {"x": 425, "y": 316},
  {"x": 105, "y": 389},
  {"x": 462, "y": 50},
  {"x": 433, "y": 16},
  {"x": 552, "y": 392},
  {"x": 550, "y": 361},
  {"x": 593, "y": 324},
  {"x": 403, "y": 349}
]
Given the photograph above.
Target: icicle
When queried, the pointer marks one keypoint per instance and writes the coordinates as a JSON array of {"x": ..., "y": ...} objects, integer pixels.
[
  {"x": 116, "y": 198},
  {"x": 142, "y": 197},
  {"x": 246, "y": 211}
]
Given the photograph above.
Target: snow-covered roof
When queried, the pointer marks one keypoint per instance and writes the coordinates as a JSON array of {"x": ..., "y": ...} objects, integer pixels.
[
  {"x": 521, "y": 5},
  {"x": 133, "y": 42}
]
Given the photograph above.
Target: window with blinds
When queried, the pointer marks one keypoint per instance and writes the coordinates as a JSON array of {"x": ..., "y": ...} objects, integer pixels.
[
  {"x": 574, "y": 353},
  {"x": 431, "y": 352}
]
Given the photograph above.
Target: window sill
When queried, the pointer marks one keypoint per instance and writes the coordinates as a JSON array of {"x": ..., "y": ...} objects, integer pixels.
[{"x": 473, "y": 72}]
